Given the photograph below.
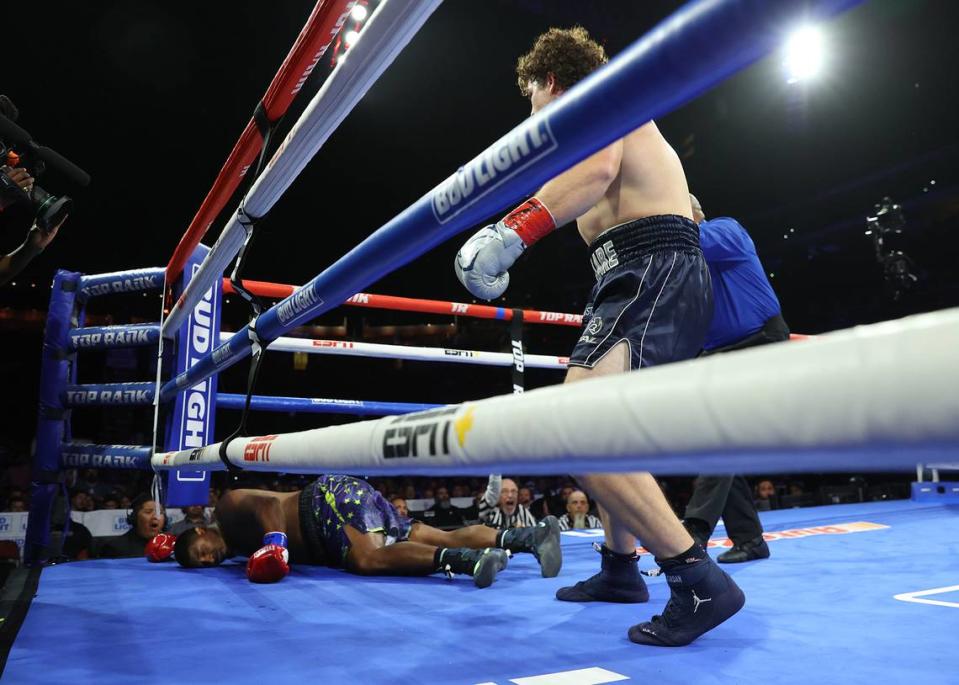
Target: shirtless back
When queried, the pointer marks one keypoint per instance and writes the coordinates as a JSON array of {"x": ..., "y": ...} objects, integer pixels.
[{"x": 649, "y": 181}]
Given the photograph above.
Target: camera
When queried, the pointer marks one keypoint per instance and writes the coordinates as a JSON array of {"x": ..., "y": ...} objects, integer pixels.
[
  {"x": 49, "y": 210},
  {"x": 897, "y": 267},
  {"x": 889, "y": 219},
  {"x": 18, "y": 149}
]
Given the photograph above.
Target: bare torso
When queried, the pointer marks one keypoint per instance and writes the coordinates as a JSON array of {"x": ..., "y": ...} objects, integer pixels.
[
  {"x": 236, "y": 516},
  {"x": 650, "y": 182}
]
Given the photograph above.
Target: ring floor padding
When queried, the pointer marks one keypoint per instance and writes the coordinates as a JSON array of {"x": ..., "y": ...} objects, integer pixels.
[{"x": 822, "y": 609}]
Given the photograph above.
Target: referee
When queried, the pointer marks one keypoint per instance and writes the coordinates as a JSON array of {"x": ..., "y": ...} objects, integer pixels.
[
  {"x": 500, "y": 508},
  {"x": 746, "y": 313}
]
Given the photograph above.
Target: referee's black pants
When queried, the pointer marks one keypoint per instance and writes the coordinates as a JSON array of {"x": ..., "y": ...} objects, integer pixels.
[{"x": 730, "y": 496}]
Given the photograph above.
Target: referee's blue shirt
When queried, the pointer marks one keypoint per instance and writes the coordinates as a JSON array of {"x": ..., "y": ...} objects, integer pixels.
[{"x": 743, "y": 298}]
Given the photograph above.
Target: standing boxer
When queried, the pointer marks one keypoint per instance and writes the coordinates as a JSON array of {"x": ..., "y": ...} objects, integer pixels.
[{"x": 651, "y": 305}]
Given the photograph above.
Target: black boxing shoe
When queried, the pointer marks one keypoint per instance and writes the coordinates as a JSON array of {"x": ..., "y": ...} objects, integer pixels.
[
  {"x": 748, "y": 551},
  {"x": 541, "y": 540},
  {"x": 482, "y": 564},
  {"x": 702, "y": 597},
  {"x": 618, "y": 581}
]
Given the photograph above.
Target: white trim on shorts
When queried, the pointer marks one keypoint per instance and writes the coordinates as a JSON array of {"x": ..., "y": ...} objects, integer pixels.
[
  {"x": 653, "y": 310},
  {"x": 586, "y": 363}
]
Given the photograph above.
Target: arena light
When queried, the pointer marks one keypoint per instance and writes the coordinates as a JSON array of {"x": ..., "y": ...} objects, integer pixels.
[
  {"x": 804, "y": 54},
  {"x": 350, "y": 38},
  {"x": 359, "y": 12}
]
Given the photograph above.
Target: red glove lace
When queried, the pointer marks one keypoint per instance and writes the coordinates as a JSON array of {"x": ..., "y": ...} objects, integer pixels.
[{"x": 531, "y": 220}]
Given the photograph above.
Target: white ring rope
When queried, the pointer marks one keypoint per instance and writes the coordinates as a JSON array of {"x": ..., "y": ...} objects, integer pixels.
[
  {"x": 872, "y": 397},
  {"x": 391, "y": 26},
  {"x": 349, "y": 348}
]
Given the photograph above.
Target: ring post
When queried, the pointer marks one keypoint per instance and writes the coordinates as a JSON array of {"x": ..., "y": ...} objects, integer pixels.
[
  {"x": 54, "y": 374},
  {"x": 190, "y": 425}
]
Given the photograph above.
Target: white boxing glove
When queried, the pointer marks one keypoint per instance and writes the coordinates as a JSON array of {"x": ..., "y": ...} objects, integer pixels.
[{"x": 482, "y": 263}]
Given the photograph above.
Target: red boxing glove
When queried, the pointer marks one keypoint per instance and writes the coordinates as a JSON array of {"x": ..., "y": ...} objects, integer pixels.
[
  {"x": 268, "y": 564},
  {"x": 160, "y": 547},
  {"x": 531, "y": 220}
]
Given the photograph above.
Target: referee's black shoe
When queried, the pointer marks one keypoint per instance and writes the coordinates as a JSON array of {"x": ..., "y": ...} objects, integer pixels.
[{"x": 747, "y": 551}]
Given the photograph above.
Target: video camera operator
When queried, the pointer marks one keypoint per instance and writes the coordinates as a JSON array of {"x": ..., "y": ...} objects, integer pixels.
[
  {"x": 37, "y": 239},
  {"x": 21, "y": 159}
]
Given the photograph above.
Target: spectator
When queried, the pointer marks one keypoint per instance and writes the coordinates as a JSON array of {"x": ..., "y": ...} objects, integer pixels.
[
  {"x": 14, "y": 493},
  {"x": 90, "y": 483},
  {"x": 146, "y": 520},
  {"x": 471, "y": 513},
  {"x": 577, "y": 516},
  {"x": 81, "y": 501},
  {"x": 78, "y": 542},
  {"x": 409, "y": 492},
  {"x": 500, "y": 508},
  {"x": 460, "y": 490},
  {"x": 193, "y": 516},
  {"x": 443, "y": 514},
  {"x": 400, "y": 504},
  {"x": 17, "y": 504},
  {"x": 525, "y": 496},
  {"x": 124, "y": 502},
  {"x": 554, "y": 503},
  {"x": 766, "y": 497},
  {"x": 111, "y": 503}
]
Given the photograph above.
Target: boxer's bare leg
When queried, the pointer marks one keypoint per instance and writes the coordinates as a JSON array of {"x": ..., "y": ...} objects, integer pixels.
[
  {"x": 476, "y": 537},
  {"x": 618, "y": 537},
  {"x": 633, "y": 502},
  {"x": 370, "y": 556}
]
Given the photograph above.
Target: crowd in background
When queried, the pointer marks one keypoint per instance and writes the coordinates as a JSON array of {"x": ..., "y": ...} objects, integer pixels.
[
  {"x": 446, "y": 503},
  {"x": 93, "y": 489}
]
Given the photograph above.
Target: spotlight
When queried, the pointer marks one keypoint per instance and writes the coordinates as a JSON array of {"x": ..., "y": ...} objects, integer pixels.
[
  {"x": 350, "y": 38},
  {"x": 359, "y": 12},
  {"x": 804, "y": 54}
]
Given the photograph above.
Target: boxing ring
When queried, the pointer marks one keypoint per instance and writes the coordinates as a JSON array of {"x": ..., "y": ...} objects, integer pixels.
[
  {"x": 828, "y": 607},
  {"x": 871, "y": 398}
]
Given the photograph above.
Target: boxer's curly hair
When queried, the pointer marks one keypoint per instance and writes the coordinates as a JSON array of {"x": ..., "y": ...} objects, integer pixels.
[{"x": 569, "y": 54}]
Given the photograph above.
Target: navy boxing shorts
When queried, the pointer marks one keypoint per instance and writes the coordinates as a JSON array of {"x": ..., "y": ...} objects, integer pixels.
[
  {"x": 332, "y": 502},
  {"x": 652, "y": 291}
]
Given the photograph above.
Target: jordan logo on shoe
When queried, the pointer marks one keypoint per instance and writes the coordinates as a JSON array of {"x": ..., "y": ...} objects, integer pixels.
[{"x": 697, "y": 601}]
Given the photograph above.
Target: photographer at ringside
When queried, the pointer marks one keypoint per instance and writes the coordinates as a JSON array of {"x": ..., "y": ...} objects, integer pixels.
[
  {"x": 37, "y": 239},
  {"x": 21, "y": 160}
]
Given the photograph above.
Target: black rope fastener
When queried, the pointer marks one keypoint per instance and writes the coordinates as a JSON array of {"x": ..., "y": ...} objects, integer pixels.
[{"x": 251, "y": 223}]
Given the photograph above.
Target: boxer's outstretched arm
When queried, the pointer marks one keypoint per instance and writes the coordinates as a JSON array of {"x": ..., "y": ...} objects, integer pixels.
[{"x": 578, "y": 189}]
